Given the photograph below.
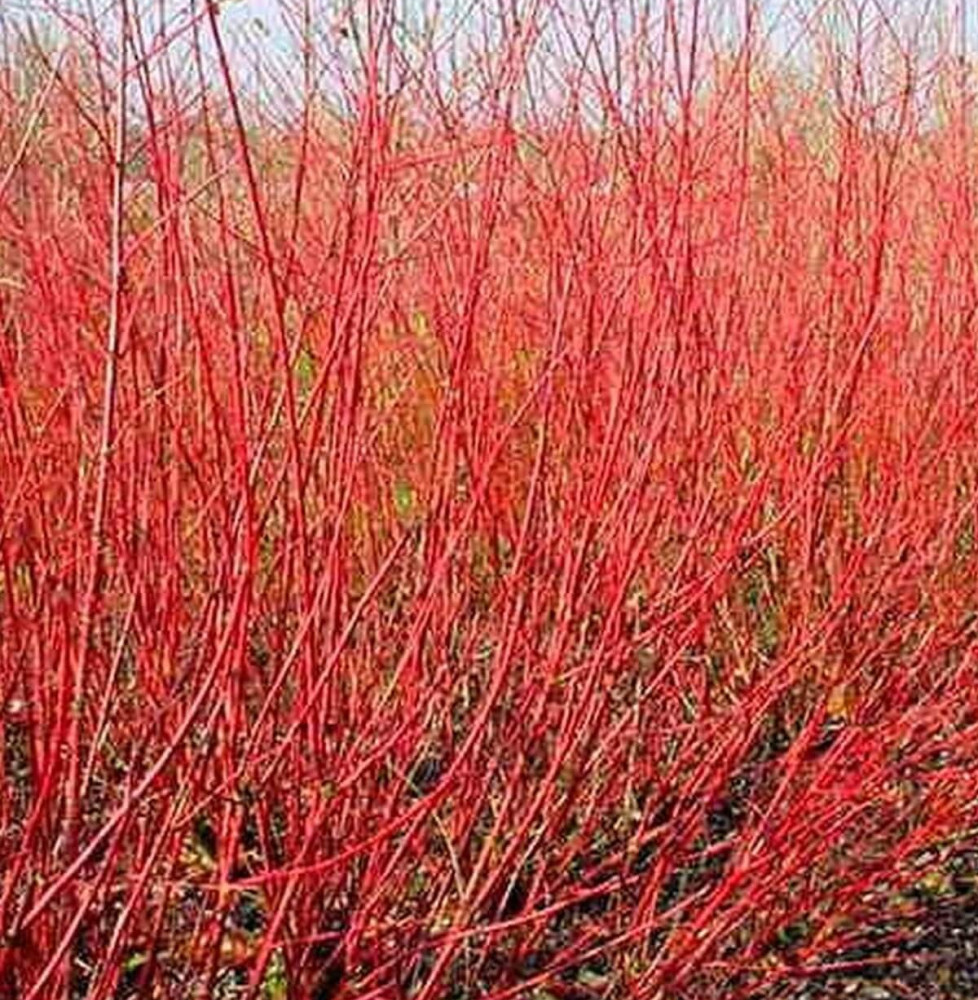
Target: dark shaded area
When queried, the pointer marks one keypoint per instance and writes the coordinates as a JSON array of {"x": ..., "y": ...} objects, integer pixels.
[
  {"x": 327, "y": 963},
  {"x": 328, "y": 982},
  {"x": 426, "y": 774},
  {"x": 931, "y": 954}
]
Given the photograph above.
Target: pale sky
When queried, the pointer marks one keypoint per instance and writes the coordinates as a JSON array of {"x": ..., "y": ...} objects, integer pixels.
[{"x": 261, "y": 34}]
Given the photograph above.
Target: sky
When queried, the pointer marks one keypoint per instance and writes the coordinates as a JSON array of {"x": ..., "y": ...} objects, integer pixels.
[{"x": 261, "y": 35}]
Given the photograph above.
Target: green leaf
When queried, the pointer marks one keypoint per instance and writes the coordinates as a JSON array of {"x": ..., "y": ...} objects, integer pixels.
[
  {"x": 275, "y": 985},
  {"x": 135, "y": 961},
  {"x": 305, "y": 369},
  {"x": 404, "y": 499}
]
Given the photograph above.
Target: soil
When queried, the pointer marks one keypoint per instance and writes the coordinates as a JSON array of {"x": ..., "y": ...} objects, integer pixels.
[{"x": 929, "y": 955}]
